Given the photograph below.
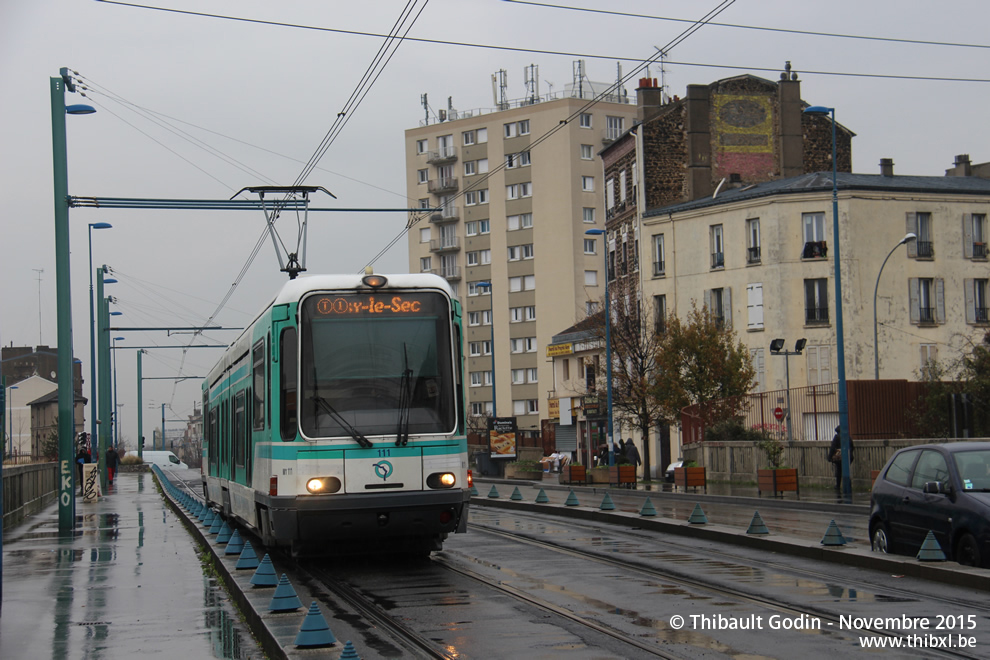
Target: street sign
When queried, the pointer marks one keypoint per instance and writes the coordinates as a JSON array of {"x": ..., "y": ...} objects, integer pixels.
[{"x": 778, "y": 413}]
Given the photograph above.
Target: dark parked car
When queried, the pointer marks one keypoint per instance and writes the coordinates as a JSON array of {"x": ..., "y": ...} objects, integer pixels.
[
  {"x": 668, "y": 476},
  {"x": 944, "y": 488}
]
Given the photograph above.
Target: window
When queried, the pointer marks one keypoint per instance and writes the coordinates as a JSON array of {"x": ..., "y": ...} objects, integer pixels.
[
  {"x": 474, "y": 349},
  {"x": 481, "y": 378},
  {"x": 482, "y": 165},
  {"x": 920, "y": 224},
  {"x": 613, "y": 127},
  {"x": 524, "y": 127},
  {"x": 590, "y": 246},
  {"x": 753, "y": 241},
  {"x": 517, "y": 346},
  {"x": 479, "y": 257},
  {"x": 486, "y": 317},
  {"x": 976, "y": 300},
  {"x": 509, "y": 130},
  {"x": 484, "y": 226},
  {"x": 927, "y": 299},
  {"x": 609, "y": 196},
  {"x": 425, "y": 203},
  {"x": 474, "y": 318},
  {"x": 516, "y": 315},
  {"x": 473, "y": 258},
  {"x": 815, "y": 246},
  {"x": 519, "y": 190},
  {"x": 521, "y": 221},
  {"x": 425, "y": 264},
  {"x": 585, "y": 120},
  {"x": 520, "y": 159},
  {"x": 518, "y": 376},
  {"x": 587, "y": 152},
  {"x": 588, "y": 183},
  {"x": 482, "y": 135},
  {"x": 469, "y": 138},
  {"x": 471, "y": 228},
  {"x": 532, "y": 375},
  {"x": 975, "y": 235},
  {"x": 819, "y": 365},
  {"x": 259, "y": 359},
  {"x": 445, "y": 146},
  {"x": 754, "y": 305},
  {"x": 475, "y": 290},
  {"x": 474, "y": 197},
  {"x": 929, "y": 356},
  {"x": 424, "y": 235},
  {"x": 486, "y": 257},
  {"x": 717, "y": 246},
  {"x": 423, "y": 175},
  {"x": 659, "y": 262},
  {"x": 481, "y": 408},
  {"x": 660, "y": 314},
  {"x": 422, "y": 146},
  {"x": 816, "y": 301},
  {"x": 527, "y": 251},
  {"x": 588, "y": 215},
  {"x": 470, "y": 167},
  {"x": 622, "y": 187},
  {"x": 719, "y": 304},
  {"x": 522, "y": 283},
  {"x": 591, "y": 278},
  {"x": 514, "y": 253}
]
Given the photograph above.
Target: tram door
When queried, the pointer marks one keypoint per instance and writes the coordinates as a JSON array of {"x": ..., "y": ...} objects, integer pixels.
[{"x": 240, "y": 436}]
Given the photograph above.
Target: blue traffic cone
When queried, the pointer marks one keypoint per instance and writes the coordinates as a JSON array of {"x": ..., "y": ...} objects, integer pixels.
[
  {"x": 248, "y": 558},
  {"x": 607, "y": 503},
  {"x": 697, "y": 516},
  {"x": 493, "y": 493},
  {"x": 208, "y": 519},
  {"x": 235, "y": 544},
  {"x": 314, "y": 633},
  {"x": 757, "y": 526},
  {"x": 833, "y": 536},
  {"x": 264, "y": 576},
  {"x": 349, "y": 653},
  {"x": 224, "y": 534},
  {"x": 541, "y": 497},
  {"x": 217, "y": 524},
  {"x": 284, "y": 599},
  {"x": 930, "y": 549},
  {"x": 648, "y": 508},
  {"x": 516, "y": 495},
  {"x": 572, "y": 499},
  {"x": 474, "y": 490}
]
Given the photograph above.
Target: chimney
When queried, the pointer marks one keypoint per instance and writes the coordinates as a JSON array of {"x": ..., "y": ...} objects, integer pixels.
[
  {"x": 649, "y": 98},
  {"x": 735, "y": 180},
  {"x": 887, "y": 166},
  {"x": 962, "y": 167}
]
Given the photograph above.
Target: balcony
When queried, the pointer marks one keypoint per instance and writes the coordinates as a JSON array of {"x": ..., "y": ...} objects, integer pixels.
[
  {"x": 659, "y": 268},
  {"x": 611, "y": 134},
  {"x": 816, "y": 315},
  {"x": 979, "y": 250},
  {"x": 926, "y": 249},
  {"x": 815, "y": 250},
  {"x": 442, "y": 185},
  {"x": 926, "y": 316},
  {"x": 718, "y": 260},
  {"x": 442, "y": 155},
  {"x": 981, "y": 315},
  {"x": 447, "y": 244},
  {"x": 449, "y": 213},
  {"x": 451, "y": 272},
  {"x": 753, "y": 255}
]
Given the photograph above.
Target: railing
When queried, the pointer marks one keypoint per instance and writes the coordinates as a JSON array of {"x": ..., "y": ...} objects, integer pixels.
[
  {"x": 443, "y": 184},
  {"x": 926, "y": 315},
  {"x": 444, "y": 244},
  {"x": 446, "y": 214},
  {"x": 753, "y": 255},
  {"x": 815, "y": 250},
  {"x": 718, "y": 260},
  {"x": 659, "y": 267},
  {"x": 442, "y": 154},
  {"x": 926, "y": 249},
  {"x": 27, "y": 489},
  {"x": 979, "y": 250},
  {"x": 981, "y": 314},
  {"x": 451, "y": 272},
  {"x": 816, "y": 315},
  {"x": 611, "y": 134}
]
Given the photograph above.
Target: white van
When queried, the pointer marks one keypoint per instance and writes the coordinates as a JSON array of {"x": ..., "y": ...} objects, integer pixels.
[{"x": 163, "y": 459}]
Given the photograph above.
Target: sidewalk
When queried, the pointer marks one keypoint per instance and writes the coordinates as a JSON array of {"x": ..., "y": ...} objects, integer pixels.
[{"x": 127, "y": 584}]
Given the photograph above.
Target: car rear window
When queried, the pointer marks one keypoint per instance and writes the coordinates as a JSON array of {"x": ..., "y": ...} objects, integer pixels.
[{"x": 899, "y": 471}]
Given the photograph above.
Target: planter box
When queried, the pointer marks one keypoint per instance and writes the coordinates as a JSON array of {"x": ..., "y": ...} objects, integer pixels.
[
  {"x": 573, "y": 474},
  {"x": 597, "y": 476},
  {"x": 777, "y": 481},
  {"x": 512, "y": 472},
  {"x": 622, "y": 474},
  {"x": 690, "y": 477}
]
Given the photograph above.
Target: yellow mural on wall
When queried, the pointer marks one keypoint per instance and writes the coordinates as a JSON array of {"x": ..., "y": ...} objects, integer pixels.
[{"x": 743, "y": 123}]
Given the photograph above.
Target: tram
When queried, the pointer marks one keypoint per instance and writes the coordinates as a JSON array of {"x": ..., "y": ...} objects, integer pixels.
[{"x": 335, "y": 423}]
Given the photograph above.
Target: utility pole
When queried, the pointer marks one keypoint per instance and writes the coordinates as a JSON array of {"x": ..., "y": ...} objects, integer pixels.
[{"x": 39, "y": 271}]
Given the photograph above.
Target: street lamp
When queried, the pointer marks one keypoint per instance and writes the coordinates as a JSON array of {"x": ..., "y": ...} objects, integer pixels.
[
  {"x": 776, "y": 347},
  {"x": 116, "y": 422},
  {"x": 63, "y": 280},
  {"x": 92, "y": 331},
  {"x": 488, "y": 285},
  {"x": 840, "y": 352},
  {"x": 608, "y": 345},
  {"x": 876, "y": 346},
  {"x": 10, "y": 417},
  {"x": 105, "y": 389}
]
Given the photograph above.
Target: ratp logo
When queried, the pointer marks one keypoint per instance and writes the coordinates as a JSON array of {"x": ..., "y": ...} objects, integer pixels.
[{"x": 383, "y": 469}]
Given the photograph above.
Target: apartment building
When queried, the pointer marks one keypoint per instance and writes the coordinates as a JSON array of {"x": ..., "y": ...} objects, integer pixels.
[{"x": 514, "y": 190}]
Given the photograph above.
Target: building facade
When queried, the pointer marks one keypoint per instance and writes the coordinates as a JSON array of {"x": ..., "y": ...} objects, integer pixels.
[{"x": 514, "y": 191}]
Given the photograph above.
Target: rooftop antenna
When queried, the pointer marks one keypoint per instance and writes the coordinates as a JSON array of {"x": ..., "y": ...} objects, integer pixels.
[
  {"x": 426, "y": 108},
  {"x": 499, "y": 83},
  {"x": 39, "y": 271},
  {"x": 531, "y": 74},
  {"x": 578, "y": 69},
  {"x": 620, "y": 92},
  {"x": 549, "y": 90},
  {"x": 664, "y": 98}
]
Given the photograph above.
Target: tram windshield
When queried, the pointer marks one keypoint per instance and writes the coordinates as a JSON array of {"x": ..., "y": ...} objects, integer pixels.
[{"x": 376, "y": 364}]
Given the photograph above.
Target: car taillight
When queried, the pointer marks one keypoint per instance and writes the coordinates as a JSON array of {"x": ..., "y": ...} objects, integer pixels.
[
  {"x": 470, "y": 479},
  {"x": 273, "y": 486}
]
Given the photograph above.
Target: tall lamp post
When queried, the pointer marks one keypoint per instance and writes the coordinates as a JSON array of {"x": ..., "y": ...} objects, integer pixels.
[
  {"x": 93, "y": 415},
  {"x": 608, "y": 345},
  {"x": 66, "y": 391},
  {"x": 876, "y": 346},
  {"x": 776, "y": 347},
  {"x": 10, "y": 422},
  {"x": 840, "y": 352},
  {"x": 115, "y": 414},
  {"x": 488, "y": 285}
]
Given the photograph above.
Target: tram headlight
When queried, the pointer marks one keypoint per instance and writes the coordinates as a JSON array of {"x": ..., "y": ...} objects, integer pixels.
[
  {"x": 323, "y": 485},
  {"x": 441, "y": 480}
]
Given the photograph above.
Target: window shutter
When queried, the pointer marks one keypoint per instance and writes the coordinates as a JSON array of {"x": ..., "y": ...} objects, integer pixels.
[
  {"x": 940, "y": 300},
  {"x": 968, "y": 235},
  {"x": 914, "y": 296},
  {"x": 824, "y": 365},
  {"x": 912, "y": 228},
  {"x": 812, "y": 353},
  {"x": 754, "y": 304},
  {"x": 727, "y": 306},
  {"x": 969, "y": 286}
]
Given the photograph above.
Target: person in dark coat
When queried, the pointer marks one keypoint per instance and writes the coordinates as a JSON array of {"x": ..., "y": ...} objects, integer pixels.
[
  {"x": 835, "y": 456},
  {"x": 82, "y": 457},
  {"x": 632, "y": 453},
  {"x": 112, "y": 461}
]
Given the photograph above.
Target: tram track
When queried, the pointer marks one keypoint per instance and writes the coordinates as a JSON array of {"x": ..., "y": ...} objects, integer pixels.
[{"x": 681, "y": 579}]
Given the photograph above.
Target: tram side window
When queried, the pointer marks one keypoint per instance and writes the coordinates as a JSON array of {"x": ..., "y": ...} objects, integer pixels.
[
  {"x": 288, "y": 402},
  {"x": 214, "y": 449},
  {"x": 240, "y": 430},
  {"x": 258, "y": 368}
]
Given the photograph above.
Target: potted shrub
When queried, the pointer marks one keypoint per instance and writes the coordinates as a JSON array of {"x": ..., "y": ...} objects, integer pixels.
[
  {"x": 690, "y": 476},
  {"x": 529, "y": 470},
  {"x": 776, "y": 478},
  {"x": 573, "y": 473}
]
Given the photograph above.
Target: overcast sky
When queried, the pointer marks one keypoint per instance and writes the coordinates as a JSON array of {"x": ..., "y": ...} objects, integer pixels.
[{"x": 264, "y": 96}]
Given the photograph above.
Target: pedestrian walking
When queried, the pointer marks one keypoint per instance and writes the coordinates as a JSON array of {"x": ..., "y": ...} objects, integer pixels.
[
  {"x": 632, "y": 453},
  {"x": 835, "y": 456},
  {"x": 113, "y": 460}
]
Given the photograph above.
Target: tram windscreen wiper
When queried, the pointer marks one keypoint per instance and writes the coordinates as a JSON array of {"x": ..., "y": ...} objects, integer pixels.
[
  {"x": 337, "y": 417},
  {"x": 405, "y": 402}
]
